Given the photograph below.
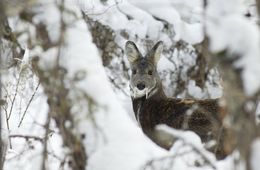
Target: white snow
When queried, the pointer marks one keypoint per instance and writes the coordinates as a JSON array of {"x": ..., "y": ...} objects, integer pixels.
[
  {"x": 191, "y": 32},
  {"x": 228, "y": 29},
  {"x": 114, "y": 140},
  {"x": 124, "y": 145},
  {"x": 255, "y": 154}
]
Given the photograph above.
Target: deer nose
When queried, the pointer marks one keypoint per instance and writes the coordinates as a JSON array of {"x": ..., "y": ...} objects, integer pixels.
[{"x": 140, "y": 86}]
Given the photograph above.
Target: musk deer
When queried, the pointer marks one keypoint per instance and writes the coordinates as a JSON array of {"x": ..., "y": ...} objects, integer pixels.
[{"x": 152, "y": 107}]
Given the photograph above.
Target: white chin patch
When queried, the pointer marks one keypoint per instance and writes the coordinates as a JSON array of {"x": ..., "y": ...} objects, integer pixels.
[{"x": 136, "y": 93}]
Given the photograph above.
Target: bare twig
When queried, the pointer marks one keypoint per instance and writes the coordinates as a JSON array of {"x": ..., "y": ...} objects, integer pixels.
[
  {"x": 27, "y": 137},
  {"x": 198, "y": 151},
  {"x": 112, "y": 80},
  {"x": 7, "y": 124},
  {"x": 45, "y": 140},
  {"x": 29, "y": 103},
  {"x": 172, "y": 157},
  {"x": 101, "y": 12},
  {"x": 1, "y": 143},
  {"x": 15, "y": 94},
  {"x": 122, "y": 11}
]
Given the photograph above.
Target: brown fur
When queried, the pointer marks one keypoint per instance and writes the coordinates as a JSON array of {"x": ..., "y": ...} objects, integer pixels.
[
  {"x": 204, "y": 118},
  {"x": 152, "y": 107}
]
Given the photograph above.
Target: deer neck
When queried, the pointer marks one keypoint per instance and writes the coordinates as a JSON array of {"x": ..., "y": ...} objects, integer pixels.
[
  {"x": 140, "y": 105},
  {"x": 158, "y": 93}
]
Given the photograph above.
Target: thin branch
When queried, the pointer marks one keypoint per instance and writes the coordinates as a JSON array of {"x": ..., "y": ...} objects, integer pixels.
[
  {"x": 7, "y": 124},
  {"x": 7, "y": 96},
  {"x": 172, "y": 157},
  {"x": 45, "y": 149},
  {"x": 29, "y": 103},
  {"x": 122, "y": 11},
  {"x": 101, "y": 12},
  {"x": 15, "y": 94},
  {"x": 198, "y": 151},
  {"x": 112, "y": 80},
  {"x": 2, "y": 157},
  {"x": 27, "y": 137}
]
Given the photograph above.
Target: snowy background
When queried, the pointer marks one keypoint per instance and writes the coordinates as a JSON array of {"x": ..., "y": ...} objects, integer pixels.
[{"x": 96, "y": 76}]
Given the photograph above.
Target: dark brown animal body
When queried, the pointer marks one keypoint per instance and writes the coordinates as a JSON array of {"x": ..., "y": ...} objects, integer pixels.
[
  {"x": 152, "y": 107},
  {"x": 199, "y": 116}
]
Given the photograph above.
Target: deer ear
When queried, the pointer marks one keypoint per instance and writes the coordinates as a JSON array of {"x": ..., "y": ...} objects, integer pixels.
[
  {"x": 156, "y": 52},
  {"x": 131, "y": 51}
]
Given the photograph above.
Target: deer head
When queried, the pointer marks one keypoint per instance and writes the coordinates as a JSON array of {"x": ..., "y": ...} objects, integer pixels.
[{"x": 144, "y": 80}]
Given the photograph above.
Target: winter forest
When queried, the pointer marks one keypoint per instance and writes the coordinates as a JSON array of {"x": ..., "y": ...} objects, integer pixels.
[{"x": 65, "y": 97}]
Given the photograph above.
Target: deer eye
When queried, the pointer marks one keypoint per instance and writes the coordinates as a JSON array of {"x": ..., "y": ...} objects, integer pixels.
[
  {"x": 134, "y": 72},
  {"x": 150, "y": 72}
]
